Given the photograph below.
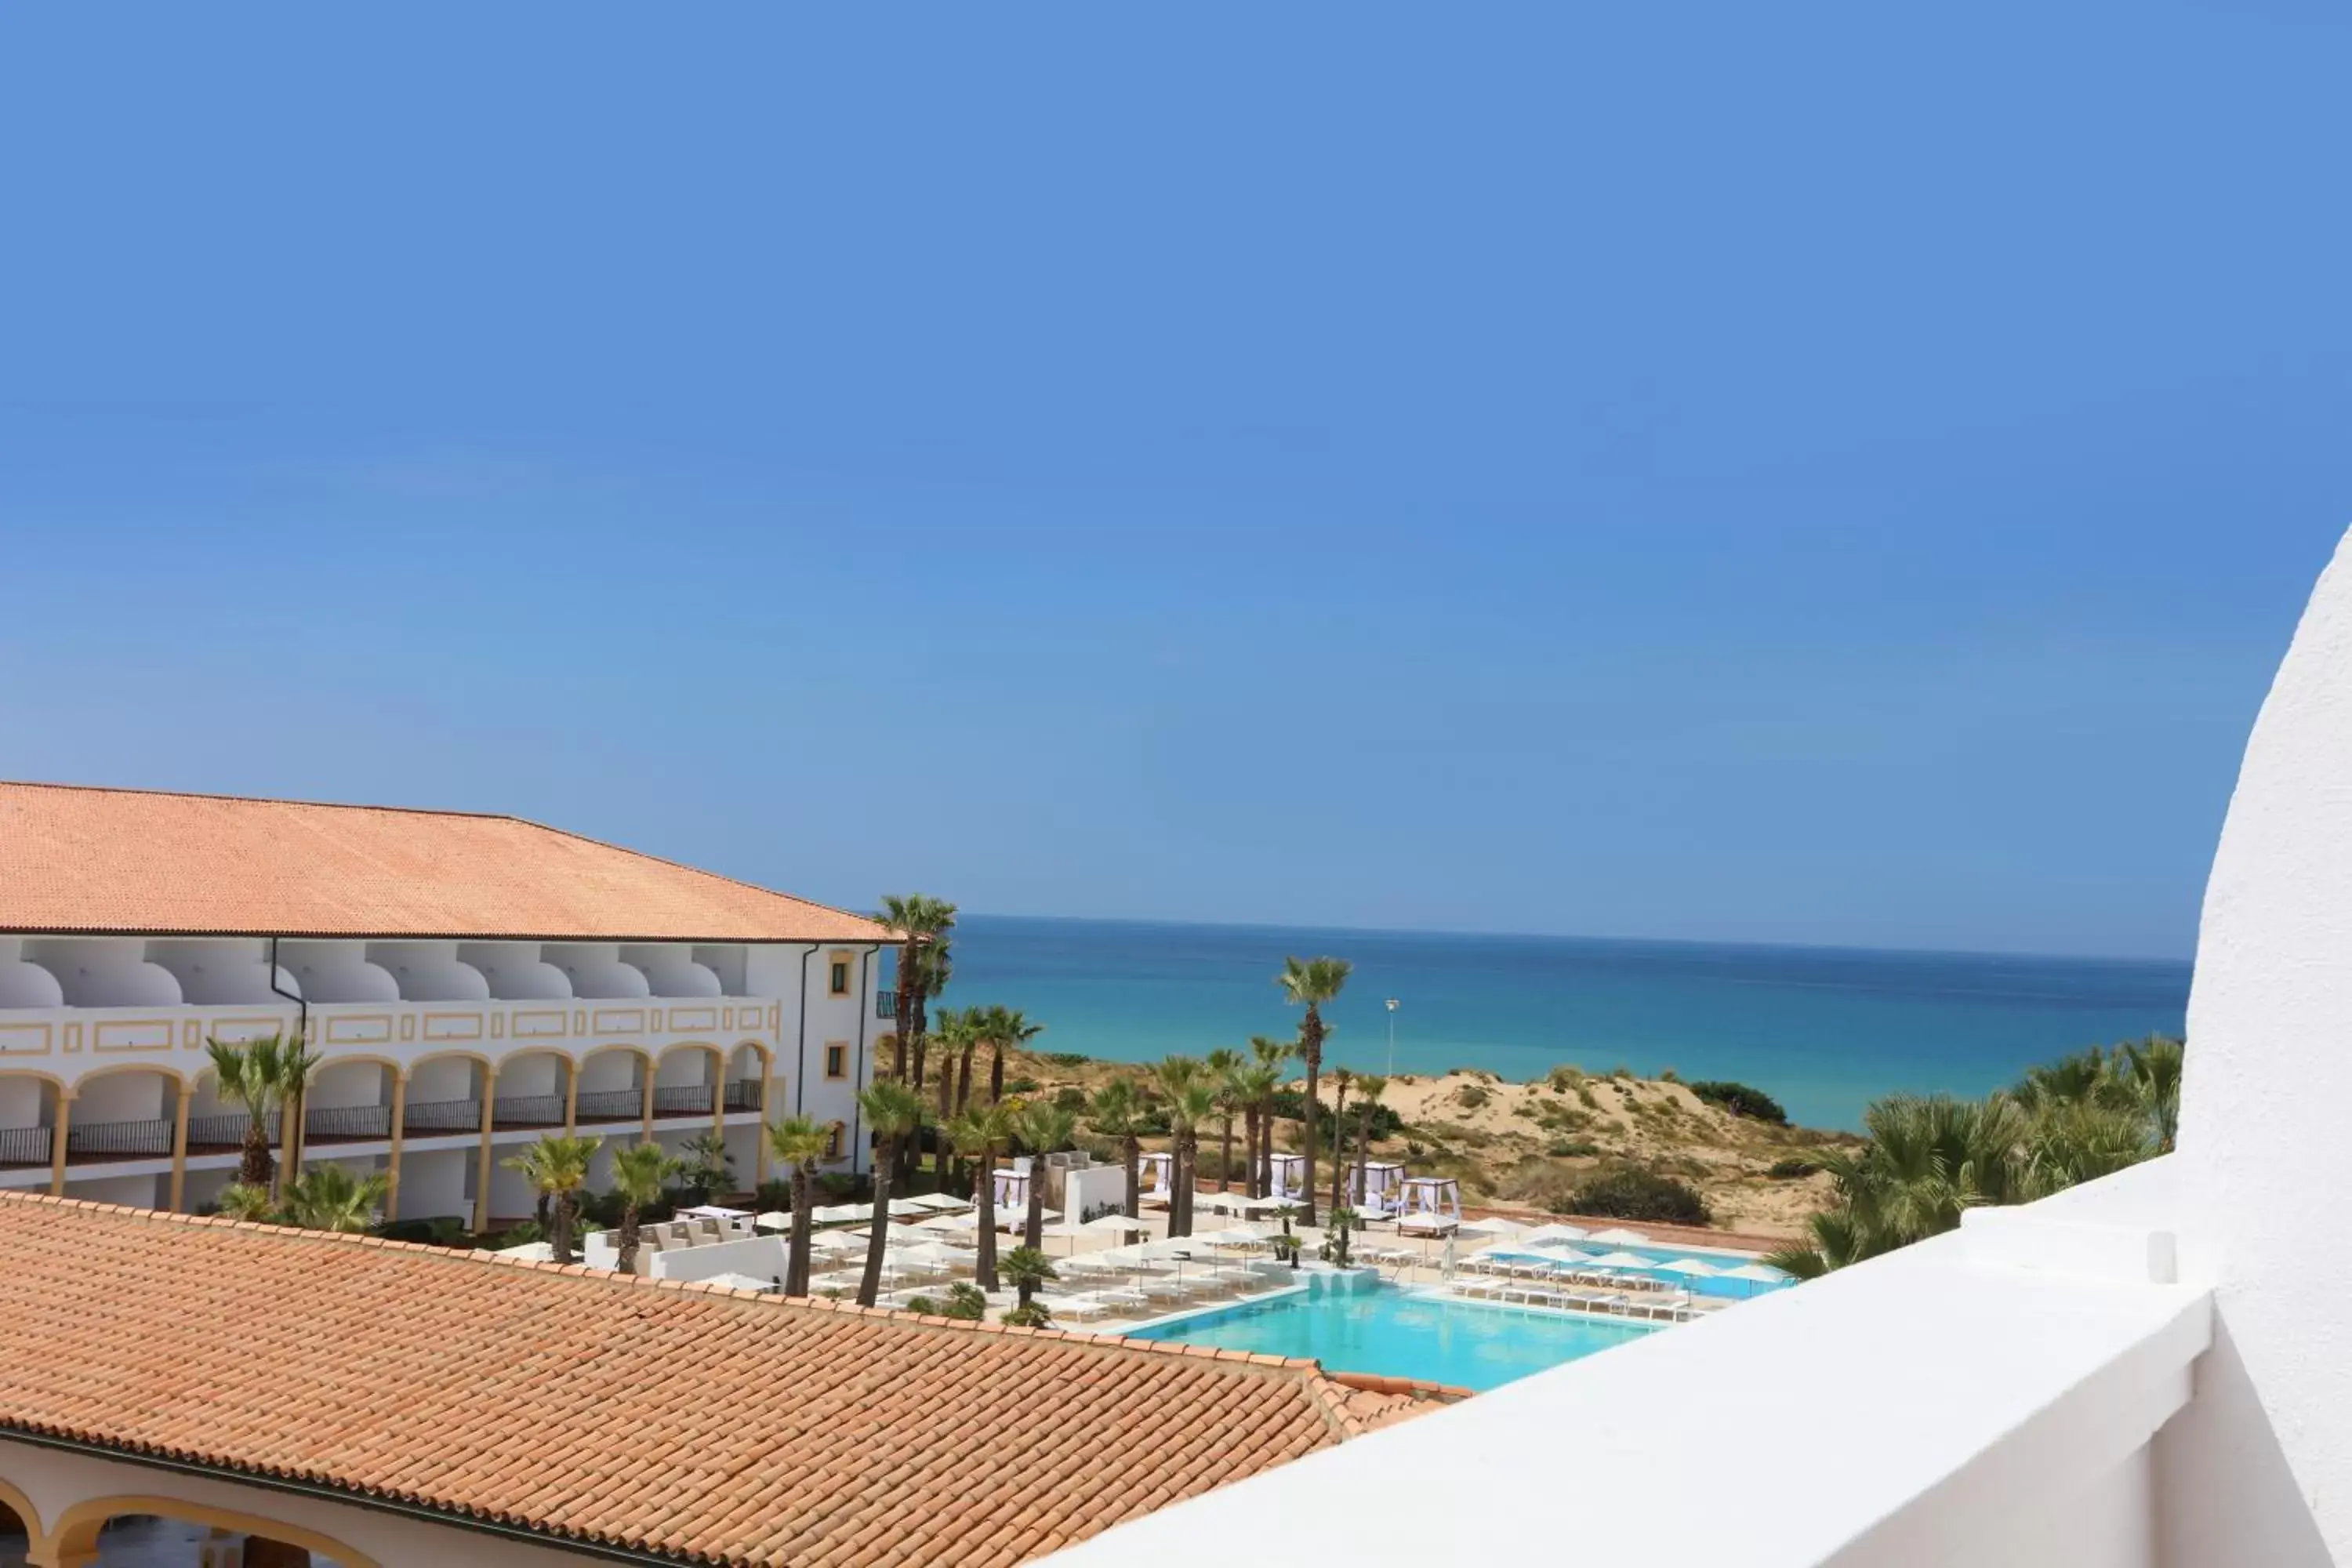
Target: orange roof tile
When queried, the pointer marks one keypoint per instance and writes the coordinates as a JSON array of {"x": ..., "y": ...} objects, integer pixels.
[
  {"x": 76, "y": 859},
  {"x": 678, "y": 1421}
]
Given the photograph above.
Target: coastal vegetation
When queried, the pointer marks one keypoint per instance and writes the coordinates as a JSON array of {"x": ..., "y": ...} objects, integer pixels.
[
  {"x": 798, "y": 1143},
  {"x": 264, "y": 1078},
  {"x": 1928, "y": 1158},
  {"x": 1312, "y": 983},
  {"x": 639, "y": 1173},
  {"x": 556, "y": 1167}
]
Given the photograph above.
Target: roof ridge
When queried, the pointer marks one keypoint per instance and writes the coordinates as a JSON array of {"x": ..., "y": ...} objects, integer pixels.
[
  {"x": 478, "y": 1257},
  {"x": 272, "y": 800}
]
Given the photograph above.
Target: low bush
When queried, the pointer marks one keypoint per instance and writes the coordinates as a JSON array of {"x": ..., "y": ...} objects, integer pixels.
[
  {"x": 775, "y": 1193},
  {"x": 522, "y": 1235},
  {"x": 1020, "y": 1086},
  {"x": 1668, "y": 1075},
  {"x": 1572, "y": 1149},
  {"x": 1065, "y": 1059},
  {"x": 1634, "y": 1193},
  {"x": 1585, "y": 1097},
  {"x": 444, "y": 1231},
  {"x": 964, "y": 1302},
  {"x": 1470, "y": 1096},
  {"x": 1792, "y": 1169},
  {"x": 1564, "y": 1077},
  {"x": 1070, "y": 1097},
  {"x": 1741, "y": 1101},
  {"x": 1290, "y": 1105}
]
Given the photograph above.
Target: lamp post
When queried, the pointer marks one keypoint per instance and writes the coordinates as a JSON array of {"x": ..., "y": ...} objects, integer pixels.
[{"x": 1393, "y": 1008}]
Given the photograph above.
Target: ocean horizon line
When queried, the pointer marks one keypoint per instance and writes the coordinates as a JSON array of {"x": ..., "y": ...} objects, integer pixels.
[{"x": 1265, "y": 928}]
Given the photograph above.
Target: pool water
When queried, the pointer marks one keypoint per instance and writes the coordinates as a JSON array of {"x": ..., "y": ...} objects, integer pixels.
[{"x": 1397, "y": 1333}]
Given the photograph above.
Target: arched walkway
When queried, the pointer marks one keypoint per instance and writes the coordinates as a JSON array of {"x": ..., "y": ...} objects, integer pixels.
[{"x": 74, "y": 1539}]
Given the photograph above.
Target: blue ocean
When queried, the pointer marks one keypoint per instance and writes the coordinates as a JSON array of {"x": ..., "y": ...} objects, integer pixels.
[{"x": 1825, "y": 1030}]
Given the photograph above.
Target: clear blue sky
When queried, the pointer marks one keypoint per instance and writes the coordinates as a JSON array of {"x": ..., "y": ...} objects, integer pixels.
[{"x": 1838, "y": 474}]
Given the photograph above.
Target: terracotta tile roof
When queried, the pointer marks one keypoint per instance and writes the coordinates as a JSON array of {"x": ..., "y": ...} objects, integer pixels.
[
  {"x": 682, "y": 1422},
  {"x": 76, "y": 859}
]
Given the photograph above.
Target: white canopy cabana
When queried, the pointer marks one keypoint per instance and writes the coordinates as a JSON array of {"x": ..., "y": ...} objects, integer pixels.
[
  {"x": 1432, "y": 1204},
  {"x": 1155, "y": 1177},
  {"x": 1119, "y": 1222},
  {"x": 836, "y": 1243},
  {"x": 968, "y": 1220},
  {"x": 1012, "y": 1192},
  {"x": 1378, "y": 1187},
  {"x": 711, "y": 1211},
  {"x": 1289, "y": 1175}
]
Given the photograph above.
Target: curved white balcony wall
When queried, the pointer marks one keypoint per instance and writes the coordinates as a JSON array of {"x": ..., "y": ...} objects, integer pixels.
[
  {"x": 530, "y": 1073},
  {"x": 515, "y": 971},
  {"x": 728, "y": 963},
  {"x": 24, "y": 984},
  {"x": 595, "y": 969},
  {"x": 672, "y": 971},
  {"x": 104, "y": 971},
  {"x": 222, "y": 972},
  {"x": 336, "y": 972},
  {"x": 429, "y": 971}
]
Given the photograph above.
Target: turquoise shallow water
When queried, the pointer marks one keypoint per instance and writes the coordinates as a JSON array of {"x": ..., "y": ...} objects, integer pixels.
[
  {"x": 1825, "y": 1030},
  {"x": 1394, "y": 1334}
]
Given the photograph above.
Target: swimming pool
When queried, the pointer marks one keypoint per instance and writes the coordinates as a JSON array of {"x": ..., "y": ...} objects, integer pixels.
[{"x": 1399, "y": 1333}]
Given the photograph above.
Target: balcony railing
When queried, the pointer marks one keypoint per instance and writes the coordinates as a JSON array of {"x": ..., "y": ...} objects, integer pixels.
[
  {"x": 527, "y": 1110},
  {"x": 211, "y": 1135},
  {"x": 610, "y": 1105},
  {"x": 347, "y": 1124},
  {"x": 118, "y": 1140},
  {"x": 442, "y": 1116},
  {"x": 886, "y": 1004},
  {"x": 24, "y": 1145},
  {"x": 743, "y": 1094},
  {"x": 682, "y": 1099}
]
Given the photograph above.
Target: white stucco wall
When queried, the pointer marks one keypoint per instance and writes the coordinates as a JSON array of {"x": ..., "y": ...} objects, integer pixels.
[{"x": 2259, "y": 1468}]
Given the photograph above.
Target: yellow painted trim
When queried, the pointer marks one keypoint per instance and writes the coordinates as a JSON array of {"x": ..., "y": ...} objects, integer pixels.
[
  {"x": 118, "y": 1068},
  {"x": 59, "y": 1131},
  {"x": 73, "y": 1544},
  {"x": 180, "y": 1149},
  {"x": 843, "y": 1046},
  {"x": 20, "y": 1505},
  {"x": 399, "y": 1133},
  {"x": 845, "y": 959},
  {"x": 482, "y": 1170}
]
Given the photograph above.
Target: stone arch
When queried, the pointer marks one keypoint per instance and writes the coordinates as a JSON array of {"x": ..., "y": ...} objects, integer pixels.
[
  {"x": 427, "y": 1087},
  {"x": 73, "y": 1541},
  {"x": 118, "y": 1069},
  {"x": 17, "y": 1503}
]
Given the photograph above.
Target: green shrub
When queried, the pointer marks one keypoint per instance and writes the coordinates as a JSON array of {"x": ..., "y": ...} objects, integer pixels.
[
  {"x": 522, "y": 1235},
  {"x": 964, "y": 1302},
  {"x": 1668, "y": 1075},
  {"x": 1070, "y": 1097},
  {"x": 1470, "y": 1096},
  {"x": 1290, "y": 1105},
  {"x": 1792, "y": 1169},
  {"x": 838, "y": 1186},
  {"x": 1741, "y": 1101},
  {"x": 1572, "y": 1149},
  {"x": 1632, "y": 1194},
  {"x": 444, "y": 1231},
  {"x": 1586, "y": 1098},
  {"x": 1564, "y": 1077},
  {"x": 775, "y": 1193},
  {"x": 1033, "y": 1316},
  {"x": 1020, "y": 1086},
  {"x": 1620, "y": 1072},
  {"x": 1067, "y": 1058}
]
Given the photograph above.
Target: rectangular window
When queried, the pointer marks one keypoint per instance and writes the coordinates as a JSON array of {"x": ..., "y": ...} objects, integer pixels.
[
  {"x": 841, "y": 977},
  {"x": 832, "y": 1145},
  {"x": 836, "y": 1061}
]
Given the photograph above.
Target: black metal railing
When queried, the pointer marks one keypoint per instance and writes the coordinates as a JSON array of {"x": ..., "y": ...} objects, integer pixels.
[
  {"x": 610, "y": 1105},
  {"x": 349, "y": 1123},
  {"x": 886, "y": 1004},
  {"x": 118, "y": 1140},
  {"x": 441, "y": 1116},
  {"x": 682, "y": 1099},
  {"x": 527, "y": 1110},
  {"x": 24, "y": 1145},
  {"x": 743, "y": 1094},
  {"x": 222, "y": 1130}
]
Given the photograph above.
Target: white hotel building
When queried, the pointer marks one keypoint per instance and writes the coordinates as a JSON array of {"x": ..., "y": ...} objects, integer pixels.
[{"x": 469, "y": 982}]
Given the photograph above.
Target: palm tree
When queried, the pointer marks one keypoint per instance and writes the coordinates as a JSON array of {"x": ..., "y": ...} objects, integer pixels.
[
  {"x": 243, "y": 1200},
  {"x": 1368, "y": 1090},
  {"x": 2154, "y": 1073},
  {"x": 1116, "y": 1111},
  {"x": 1043, "y": 1127},
  {"x": 1340, "y": 1079},
  {"x": 985, "y": 1022},
  {"x": 1187, "y": 1109},
  {"x": 800, "y": 1143},
  {"x": 1013, "y": 1029},
  {"x": 1224, "y": 1068},
  {"x": 705, "y": 1168},
  {"x": 557, "y": 1166},
  {"x": 1028, "y": 1268},
  {"x": 1270, "y": 1055},
  {"x": 639, "y": 1173},
  {"x": 958, "y": 1037},
  {"x": 919, "y": 919},
  {"x": 1311, "y": 983},
  {"x": 894, "y": 1110},
  {"x": 258, "y": 1076},
  {"x": 978, "y": 1134},
  {"x": 933, "y": 967},
  {"x": 1253, "y": 1087},
  {"x": 335, "y": 1197}
]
